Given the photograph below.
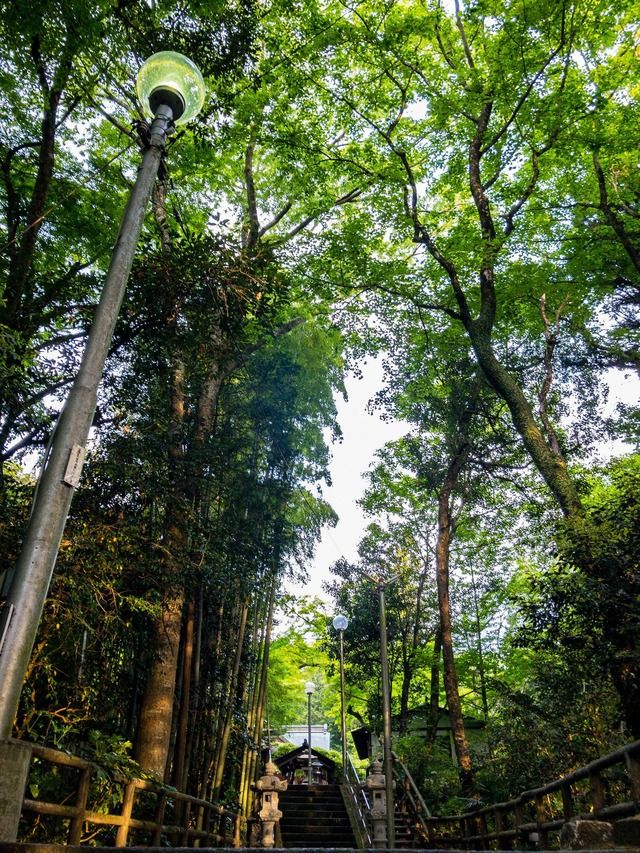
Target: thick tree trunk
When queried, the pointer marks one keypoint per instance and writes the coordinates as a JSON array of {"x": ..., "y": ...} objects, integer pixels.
[
  {"x": 551, "y": 466},
  {"x": 156, "y": 712},
  {"x": 186, "y": 475}
]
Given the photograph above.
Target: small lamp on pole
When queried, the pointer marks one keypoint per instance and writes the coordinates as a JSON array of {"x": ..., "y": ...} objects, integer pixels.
[
  {"x": 309, "y": 687},
  {"x": 341, "y": 623}
]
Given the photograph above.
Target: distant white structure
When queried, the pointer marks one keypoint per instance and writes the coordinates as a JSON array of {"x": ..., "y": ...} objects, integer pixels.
[{"x": 320, "y": 737}]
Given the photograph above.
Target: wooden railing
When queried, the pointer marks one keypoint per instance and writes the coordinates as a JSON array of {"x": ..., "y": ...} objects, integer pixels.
[
  {"x": 409, "y": 801},
  {"x": 185, "y": 820},
  {"x": 606, "y": 789}
]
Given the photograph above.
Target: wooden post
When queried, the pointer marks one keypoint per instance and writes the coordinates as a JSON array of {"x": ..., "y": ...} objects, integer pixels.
[
  {"x": 159, "y": 819},
  {"x": 519, "y": 820},
  {"x": 567, "y": 802},
  {"x": 503, "y": 843},
  {"x": 237, "y": 830},
  {"x": 15, "y": 758},
  {"x": 186, "y": 817},
  {"x": 127, "y": 807},
  {"x": 466, "y": 826},
  {"x": 597, "y": 790},
  {"x": 75, "y": 825},
  {"x": 199, "y": 823},
  {"x": 483, "y": 831},
  {"x": 542, "y": 833},
  {"x": 206, "y": 824},
  {"x": 633, "y": 771}
]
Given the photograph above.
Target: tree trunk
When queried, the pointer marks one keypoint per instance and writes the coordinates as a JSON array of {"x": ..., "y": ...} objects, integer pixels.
[
  {"x": 156, "y": 712},
  {"x": 449, "y": 675},
  {"x": 551, "y": 466},
  {"x": 179, "y": 754},
  {"x": 443, "y": 544},
  {"x": 483, "y": 683},
  {"x": 434, "y": 689},
  {"x": 186, "y": 475},
  {"x": 407, "y": 673}
]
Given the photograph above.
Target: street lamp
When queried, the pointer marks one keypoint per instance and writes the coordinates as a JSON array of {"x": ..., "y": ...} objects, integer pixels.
[
  {"x": 171, "y": 89},
  {"x": 309, "y": 687},
  {"x": 341, "y": 623}
]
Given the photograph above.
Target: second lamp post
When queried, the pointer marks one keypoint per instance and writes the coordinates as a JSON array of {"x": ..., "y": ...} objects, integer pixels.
[
  {"x": 341, "y": 623},
  {"x": 309, "y": 687}
]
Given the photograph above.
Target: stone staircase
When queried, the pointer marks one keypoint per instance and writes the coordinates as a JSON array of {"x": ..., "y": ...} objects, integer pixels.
[
  {"x": 315, "y": 816},
  {"x": 405, "y": 835}
]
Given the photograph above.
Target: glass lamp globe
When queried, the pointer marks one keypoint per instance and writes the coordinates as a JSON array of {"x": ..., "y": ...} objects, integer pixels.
[
  {"x": 340, "y": 622},
  {"x": 309, "y": 687},
  {"x": 171, "y": 79}
]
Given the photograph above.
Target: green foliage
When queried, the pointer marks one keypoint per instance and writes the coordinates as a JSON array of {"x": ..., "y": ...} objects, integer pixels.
[{"x": 433, "y": 772}]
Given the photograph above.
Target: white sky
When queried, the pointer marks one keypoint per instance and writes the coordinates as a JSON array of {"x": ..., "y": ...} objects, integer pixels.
[{"x": 364, "y": 433}]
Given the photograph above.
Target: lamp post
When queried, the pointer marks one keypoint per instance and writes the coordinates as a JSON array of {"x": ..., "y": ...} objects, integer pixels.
[
  {"x": 171, "y": 89},
  {"x": 381, "y": 584},
  {"x": 309, "y": 687},
  {"x": 341, "y": 623}
]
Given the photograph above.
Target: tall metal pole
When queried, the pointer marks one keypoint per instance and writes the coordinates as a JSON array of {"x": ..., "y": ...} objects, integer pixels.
[
  {"x": 309, "y": 738},
  {"x": 386, "y": 722},
  {"x": 61, "y": 470},
  {"x": 344, "y": 719}
]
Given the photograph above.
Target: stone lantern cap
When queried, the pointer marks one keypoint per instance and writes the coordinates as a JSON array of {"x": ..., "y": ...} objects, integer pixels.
[
  {"x": 375, "y": 777},
  {"x": 270, "y": 781}
]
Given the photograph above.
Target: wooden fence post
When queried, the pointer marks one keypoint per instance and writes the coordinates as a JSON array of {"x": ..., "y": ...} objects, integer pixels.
[
  {"x": 483, "y": 831},
  {"x": 519, "y": 820},
  {"x": 206, "y": 824},
  {"x": 567, "y": 802},
  {"x": 75, "y": 825},
  {"x": 597, "y": 790},
  {"x": 542, "y": 833},
  {"x": 186, "y": 817},
  {"x": 127, "y": 807},
  {"x": 503, "y": 843},
  {"x": 633, "y": 771},
  {"x": 159, "y": 818},
  {"x": 237, "y": 830}
]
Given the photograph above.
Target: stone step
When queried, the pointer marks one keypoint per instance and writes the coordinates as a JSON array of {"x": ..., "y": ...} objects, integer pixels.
[
  {"x": 17, "y": 847},
  {"x": 315, "y": 816}
]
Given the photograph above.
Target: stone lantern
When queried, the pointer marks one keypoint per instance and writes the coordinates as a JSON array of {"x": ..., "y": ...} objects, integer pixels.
[
  {"x": 269, "y": 786},
  {"x": 375, "y": 783}
]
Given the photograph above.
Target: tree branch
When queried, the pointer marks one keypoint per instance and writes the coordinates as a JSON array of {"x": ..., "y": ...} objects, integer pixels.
[
  {"x": 612, "y": 219},
  {"x": 551, "y": 337}
]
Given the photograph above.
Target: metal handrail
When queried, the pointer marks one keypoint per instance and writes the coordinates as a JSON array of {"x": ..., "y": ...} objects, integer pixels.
[{"x": 360, "y": 806}]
